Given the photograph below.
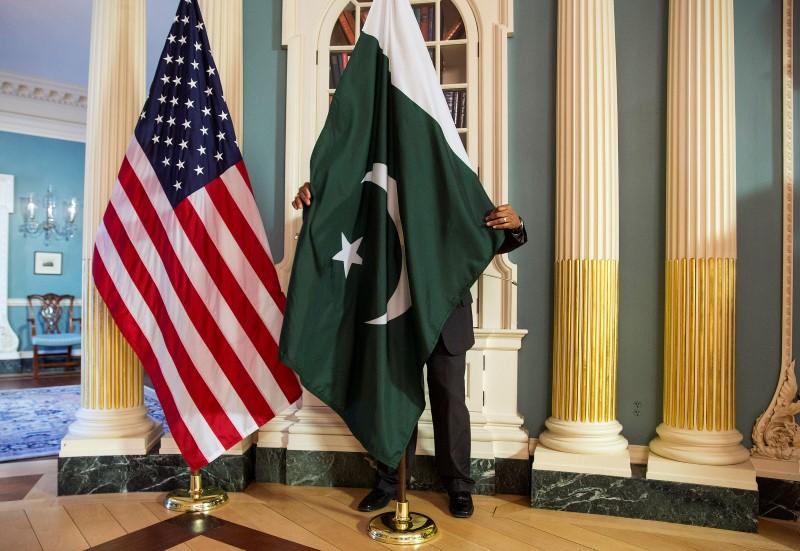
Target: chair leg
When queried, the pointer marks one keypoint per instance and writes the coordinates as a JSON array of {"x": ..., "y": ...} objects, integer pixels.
[{"x": 35, "y": 363}]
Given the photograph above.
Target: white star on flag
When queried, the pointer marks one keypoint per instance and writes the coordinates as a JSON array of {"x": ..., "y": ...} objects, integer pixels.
[{"x": 349, "y": 254}]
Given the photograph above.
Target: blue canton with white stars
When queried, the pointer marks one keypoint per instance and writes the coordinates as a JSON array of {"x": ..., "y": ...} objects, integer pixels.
[{"x": 185, "y": 128}]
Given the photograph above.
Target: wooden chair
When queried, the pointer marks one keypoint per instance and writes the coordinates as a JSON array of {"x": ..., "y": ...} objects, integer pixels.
[{"x": 60, "y": 344}]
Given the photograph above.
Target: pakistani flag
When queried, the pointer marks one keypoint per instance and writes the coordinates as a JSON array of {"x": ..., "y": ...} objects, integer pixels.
[{"x": 393, "y": 240}]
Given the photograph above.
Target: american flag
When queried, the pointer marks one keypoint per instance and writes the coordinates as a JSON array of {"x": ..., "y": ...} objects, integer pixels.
[{"x": 182, "y": 260}]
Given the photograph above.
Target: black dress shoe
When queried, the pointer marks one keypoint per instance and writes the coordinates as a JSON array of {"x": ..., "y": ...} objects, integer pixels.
[
  {"x": 461, "y": 504},
  {"x": 376, "y": 499}
]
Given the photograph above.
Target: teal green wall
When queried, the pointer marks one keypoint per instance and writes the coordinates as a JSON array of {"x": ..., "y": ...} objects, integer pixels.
[
  {"x": 265, "y": 106},
  {"x": 37, "y": 163},
  {"x": 758, "y": 190},
  {"x": 531, "y": 172},
  {"x": 642, "y": 78}
]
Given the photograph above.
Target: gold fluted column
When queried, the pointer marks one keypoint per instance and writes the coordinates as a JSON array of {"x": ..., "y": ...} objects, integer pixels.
[
  {"x": 699, "y": 424},
  {"x": 224, "y": 23},
  {"x": 584, "y": 404},
  {"x": 112, "y": 418}
]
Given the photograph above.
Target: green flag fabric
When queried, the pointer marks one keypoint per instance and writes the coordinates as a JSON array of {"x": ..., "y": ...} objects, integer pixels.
[{"x": 392, "y": 242}]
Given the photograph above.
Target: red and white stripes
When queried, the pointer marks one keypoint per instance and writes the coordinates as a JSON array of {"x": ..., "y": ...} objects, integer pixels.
[{"x": 194, "y": 290}]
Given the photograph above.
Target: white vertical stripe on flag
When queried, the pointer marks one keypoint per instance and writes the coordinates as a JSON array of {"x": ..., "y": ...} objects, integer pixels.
[
  {"x": 243, "y": 197},
  {"x": 237, "y": 261},
  {"x": 393, "y": 25},
  {"x": 194, "y": 420},
  {"x": 202, "y": 358}
]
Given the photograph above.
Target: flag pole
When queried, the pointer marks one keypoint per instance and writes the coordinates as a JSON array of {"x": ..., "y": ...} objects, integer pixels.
[
  {"x": 402, "y": 527},
  {"x": 196, "y": 499}
]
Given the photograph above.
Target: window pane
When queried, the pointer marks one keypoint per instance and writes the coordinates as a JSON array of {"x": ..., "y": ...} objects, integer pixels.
[
  {"x": 452, "y": 24},
  {"x": 454, "y": 64},
  {"x": 344, "y": 30},
  {"x": 426, "y": 17}
]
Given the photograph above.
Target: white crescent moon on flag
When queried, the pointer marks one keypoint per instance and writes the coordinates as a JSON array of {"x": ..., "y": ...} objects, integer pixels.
[{"x": 400, "y": 301}]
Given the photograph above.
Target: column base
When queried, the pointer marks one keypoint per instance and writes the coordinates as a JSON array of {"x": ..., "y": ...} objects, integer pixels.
[
  {"x": 584, "y": 438},
  {"x": 111, "y": 432},
  {"x": 699, "y": 446},
  {"x": 741, "y": 476},
  {"x": 546, "y": 459}
]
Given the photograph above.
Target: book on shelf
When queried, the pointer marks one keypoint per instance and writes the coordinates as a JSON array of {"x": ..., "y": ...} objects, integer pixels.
[
  {"x": 339, "y": 61},
  {"x": 426, "y": 18},
  {"x": 462, "y": 109},
  {"x": 457, "y": 104},
  {"x": 455, "y": 32},
  {"x": 347, "y": 24},
  {"x": 336, "y": 70},
  {"x": 449, "y": 97}
]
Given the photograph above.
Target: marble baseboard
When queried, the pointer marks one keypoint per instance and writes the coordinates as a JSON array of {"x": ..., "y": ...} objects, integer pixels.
[
  {"x": 638, "y": 497},
  {"x": 271, "y": 465},
  {"x": 24, "y": 366},
  {"x": 149, "y": 473},
  {"x": 779, "y": 498},
  {"x": 323, "y": 468},
  {"x": 358, "y": 470},
  {"x": 16, "y": 366},
  {"x": 426, "y": 477},
  {"x": 513, "y": 476}
]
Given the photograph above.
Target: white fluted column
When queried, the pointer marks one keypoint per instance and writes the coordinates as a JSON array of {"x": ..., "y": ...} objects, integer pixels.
[
  {"x": 699, "y": 421},
  {"x": 584, "y": 391},
  {"x": 112, "y": 419}
]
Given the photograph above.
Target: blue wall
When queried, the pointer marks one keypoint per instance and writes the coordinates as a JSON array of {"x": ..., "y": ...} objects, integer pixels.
[{"x": 37, "y": 163}]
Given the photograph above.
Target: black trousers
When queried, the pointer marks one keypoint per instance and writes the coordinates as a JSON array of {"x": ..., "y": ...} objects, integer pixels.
[{"x": 450, "y": 425}]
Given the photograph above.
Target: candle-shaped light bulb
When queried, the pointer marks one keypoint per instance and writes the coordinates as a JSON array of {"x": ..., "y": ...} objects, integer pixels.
[
  {"x": 30, "y": 208},
  {"x": 72, "y": 210}
]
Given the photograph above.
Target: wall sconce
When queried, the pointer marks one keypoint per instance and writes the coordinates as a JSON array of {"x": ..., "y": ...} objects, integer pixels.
[{"x": 59, "y": 221}]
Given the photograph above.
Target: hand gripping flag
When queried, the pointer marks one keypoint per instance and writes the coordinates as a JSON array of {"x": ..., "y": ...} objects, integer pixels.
[
  {"x": 392, "y": 241},
  {"x": 182, "y": 260}
]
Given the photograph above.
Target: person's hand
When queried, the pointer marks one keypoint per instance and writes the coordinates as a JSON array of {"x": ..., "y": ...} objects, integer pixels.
[
  {"x": 303, "y": 197},
  {"x": 504, "y": 217}
]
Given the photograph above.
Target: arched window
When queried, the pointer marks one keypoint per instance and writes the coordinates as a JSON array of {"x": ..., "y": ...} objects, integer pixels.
[{"x": 446, "y": 35}]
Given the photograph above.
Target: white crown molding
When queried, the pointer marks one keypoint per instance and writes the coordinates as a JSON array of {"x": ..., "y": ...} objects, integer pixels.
[{"x": 38, "y": 107}]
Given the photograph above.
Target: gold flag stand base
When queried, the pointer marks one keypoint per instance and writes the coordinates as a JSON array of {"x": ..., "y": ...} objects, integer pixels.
[
  {"x": 402, "y": 527},
  {"x": 196, "y": 499}
]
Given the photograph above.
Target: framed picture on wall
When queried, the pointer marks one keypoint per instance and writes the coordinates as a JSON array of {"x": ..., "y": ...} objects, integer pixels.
[{"x": 47, "y": 263}]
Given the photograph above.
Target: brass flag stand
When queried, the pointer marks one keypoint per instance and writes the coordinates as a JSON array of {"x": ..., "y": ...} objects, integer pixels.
[
  {"x": 402, "y": 527},
  {"x": 196, "y": 499}
]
